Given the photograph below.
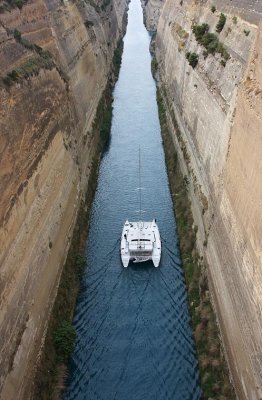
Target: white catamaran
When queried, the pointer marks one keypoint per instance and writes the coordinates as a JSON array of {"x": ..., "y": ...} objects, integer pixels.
[{"x": 140, "y": 240}]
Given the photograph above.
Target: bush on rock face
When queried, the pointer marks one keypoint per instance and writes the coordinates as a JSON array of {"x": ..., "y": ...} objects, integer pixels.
[
  {"x": 200, "y": 30},
  {"x": 192, "y": 59},
  {"x": 221, "y": 22},
  {"x": 209, "y": 41},
  {"x": 64, "y": 340}
]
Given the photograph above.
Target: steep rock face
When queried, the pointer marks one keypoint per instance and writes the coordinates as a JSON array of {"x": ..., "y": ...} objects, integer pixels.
[
  {"x": 151, "y": 11},
  {"x": 55, "y": 59},
  {"x": 215, "y": 114}
]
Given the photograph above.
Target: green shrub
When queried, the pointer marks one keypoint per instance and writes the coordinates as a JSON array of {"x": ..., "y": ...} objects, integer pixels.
[
  {"x": 40, "y": 50},
  {"x": 192, "y": 59},
  {"x": 19, "y": 3},
  {"x": 9, "y": 4},
  {"x": 106, "y": 125},
  {"x": 200, "y": 30},
  {"x": 117, "y": 58},
  {"x": 219, "y": 47},
  {"x": 10, "y": 77},
  {"x": 13, "y": 75},
  {"x": 234, "y": 20},
  {"x": 27, "y": 44},
  {"x": 246, "y": 32},
  {"x": 223, "y": 62},
  {"x": 154, "y": 66},
  {"x": 7, "y": 80},
  {"x": 221, "y": 23},
  {"x": 45, "y": 54},
  {"x": 161, "y": 107},
  {"x": 80, "y": 264},
  {"x": 225, "y": 54},
  {"x": 209, "y": 41},
  {"x": 17, "y": 35},
  {"x": 30, "y": 67},
  {"x": 64, "y": 340},
  {"x": 213, "y": 9}
]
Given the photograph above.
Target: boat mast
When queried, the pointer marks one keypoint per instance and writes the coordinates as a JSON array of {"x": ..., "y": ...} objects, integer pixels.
[{"x": 140, "y": 198}]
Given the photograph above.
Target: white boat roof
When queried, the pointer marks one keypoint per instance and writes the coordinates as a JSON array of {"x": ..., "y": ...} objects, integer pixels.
[{"x": 140, "y": 231}]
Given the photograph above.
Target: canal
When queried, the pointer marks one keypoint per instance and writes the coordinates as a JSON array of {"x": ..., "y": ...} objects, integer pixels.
[{"x": 134, "y": 339}]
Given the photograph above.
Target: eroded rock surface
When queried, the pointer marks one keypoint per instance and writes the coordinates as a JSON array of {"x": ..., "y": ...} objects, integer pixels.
[
  {"x": 55, "y": 59},
  {"x": 151, "y": 12},
  {"x": 215, "y": 114}
]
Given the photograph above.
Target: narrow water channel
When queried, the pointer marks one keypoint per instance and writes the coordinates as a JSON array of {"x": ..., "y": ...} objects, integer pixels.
[{"x": 134, "y": 339}]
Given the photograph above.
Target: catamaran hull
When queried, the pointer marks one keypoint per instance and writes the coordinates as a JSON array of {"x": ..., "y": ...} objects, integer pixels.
[{"x": 140, "y": 242}]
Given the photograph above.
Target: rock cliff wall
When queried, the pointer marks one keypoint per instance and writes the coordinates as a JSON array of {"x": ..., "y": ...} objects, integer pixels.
[
  {"x": 55, "y": 60},
  {"x": 151, "y": 12},
  {"x": 214, "y": 110}
]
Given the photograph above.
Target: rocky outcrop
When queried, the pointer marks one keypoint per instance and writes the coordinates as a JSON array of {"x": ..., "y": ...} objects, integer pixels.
[
  {"x": 55, "y": 60},
  {"x": 214, "y": 102},
  {"x": 151, "y": 12}
]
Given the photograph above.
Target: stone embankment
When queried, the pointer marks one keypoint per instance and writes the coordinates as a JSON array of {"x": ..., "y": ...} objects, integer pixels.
[
  {"x": 55, "y": 60},
  {"x": 212, "y": 86}
]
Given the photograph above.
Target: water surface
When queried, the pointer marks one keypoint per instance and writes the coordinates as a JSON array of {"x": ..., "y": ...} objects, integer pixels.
[{"x": 134, "y": 339}]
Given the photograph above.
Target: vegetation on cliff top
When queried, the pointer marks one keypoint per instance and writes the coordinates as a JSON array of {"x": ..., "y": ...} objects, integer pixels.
[{"x": 213, "y": 370}]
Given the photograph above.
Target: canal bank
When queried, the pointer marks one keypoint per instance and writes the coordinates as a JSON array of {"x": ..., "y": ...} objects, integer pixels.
[{"x": 214, "y": 373}]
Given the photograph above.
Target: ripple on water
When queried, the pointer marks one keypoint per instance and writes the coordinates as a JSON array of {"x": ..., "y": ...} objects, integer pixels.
[{"x": 134, "y": 339}]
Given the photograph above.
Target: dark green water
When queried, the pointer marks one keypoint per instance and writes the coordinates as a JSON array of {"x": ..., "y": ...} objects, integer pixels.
[{"x": 134, "y": 339}]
